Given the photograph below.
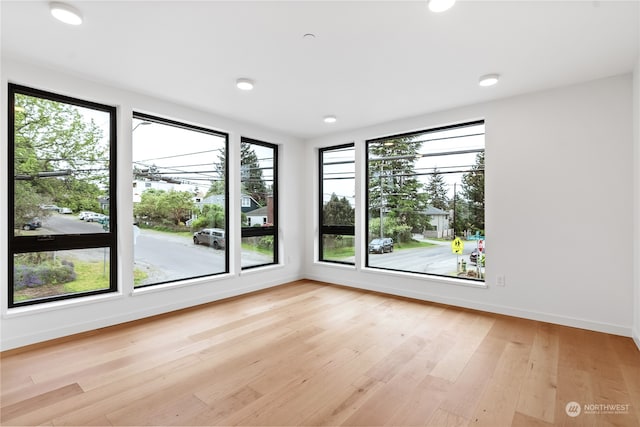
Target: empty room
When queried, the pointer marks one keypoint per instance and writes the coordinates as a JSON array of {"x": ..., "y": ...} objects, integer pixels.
[{"x": 278, "y": 213}]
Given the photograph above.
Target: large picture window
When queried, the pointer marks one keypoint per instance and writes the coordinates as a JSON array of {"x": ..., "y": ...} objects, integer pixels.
[
  {"x": 180, "y": 201},
  {"x": 62, "y": 163},
  {"x": 425, "y": 189},
  {"x": 259, "y": 203},
  {"x": 337, "y": 200}
]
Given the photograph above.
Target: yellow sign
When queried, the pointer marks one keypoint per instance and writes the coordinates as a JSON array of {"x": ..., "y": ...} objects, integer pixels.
[{"x": 457, "y": 246}]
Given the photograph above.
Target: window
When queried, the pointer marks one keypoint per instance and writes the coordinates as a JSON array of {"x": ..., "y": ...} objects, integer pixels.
[
  {"x": 259, "y": 203},
  {"x": 179, "y": 201},
  {"x": 63, "y": 156},
  {"x": 337, "y": 200},
  {"x": 423, "y": 190}
]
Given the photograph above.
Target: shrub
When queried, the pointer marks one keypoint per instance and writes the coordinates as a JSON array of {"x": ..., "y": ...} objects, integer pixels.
[{"x": 50, "y": 273}]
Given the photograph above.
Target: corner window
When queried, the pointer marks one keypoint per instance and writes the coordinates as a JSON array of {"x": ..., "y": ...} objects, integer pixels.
[
  {"x": 337, "y": 200},
  {"x": 62, "y": 211},
  {"x": 425, "y": 190},
  {"x": 259, "y": 203},
  {"x": 179, "y": 201}
]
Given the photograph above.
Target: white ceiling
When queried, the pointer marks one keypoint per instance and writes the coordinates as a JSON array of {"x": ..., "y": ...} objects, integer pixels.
[{"x": 371, "y": 61}]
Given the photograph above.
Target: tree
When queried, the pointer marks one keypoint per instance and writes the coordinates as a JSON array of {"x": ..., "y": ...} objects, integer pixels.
[
  {"x": 338, "y": 211},
  {"x": 211, "y": 216},
  {"x": 473, "y": 192},
  {"x": 164, "y": 207},
  {"x": 253, "y": 183},
  {"x": 437, "y": 191},
  {"x": 59, "y": 156},
  {"x": 393, "y": 187}
]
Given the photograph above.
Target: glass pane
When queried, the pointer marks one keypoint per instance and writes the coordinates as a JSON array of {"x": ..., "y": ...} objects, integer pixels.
[
  {"x": 338, "y": 186},
  {"x": 339, "y": 248},
  {"x": 50, "y": 274},
  {"x": 179, "y": 202},
  {"x": 257, "y": 203},
  {"x": 257, "y": 251},
  {"x": 61, "y": 168},
  {"x": 424, "y": 190}
]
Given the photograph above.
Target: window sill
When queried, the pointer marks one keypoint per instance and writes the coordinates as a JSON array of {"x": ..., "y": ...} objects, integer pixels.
[
  {"x": 428, "y": 277},
  {"x": 260, "y": 269},
  {"x": 59, "y": 305},
  {"x": 337, "y": 265},
  {"x": 181, "y": 284}
]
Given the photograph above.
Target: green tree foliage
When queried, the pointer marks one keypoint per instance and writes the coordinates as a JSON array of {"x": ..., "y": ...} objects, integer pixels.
[
  {"x": 473, "y": 192},
  {"x": 212, "y": 216},
  {"x": 253, "y": 183},
  {"x": 437, "y": 191},
  {"x": 338, "y": 211},
  {"x": 399, "y": 232},
  {"x": 55, "y": 138},
  {"x": 251, "y": 175},
  {"x": 161, "y": 207},
  {"x": 393, "y": 186}
]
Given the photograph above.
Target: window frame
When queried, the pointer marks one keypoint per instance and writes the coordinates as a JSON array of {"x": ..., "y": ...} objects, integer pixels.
[
  {"x": 169, "y": 122},
  {"x": 270, "y": 230},
  {"x": 365, "y": 234},
  {"x": 60, "y": 242},
  {"x": 345, "y": 230}
]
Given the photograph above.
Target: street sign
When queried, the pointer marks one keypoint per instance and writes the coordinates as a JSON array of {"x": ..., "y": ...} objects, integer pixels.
[
  {"x": 480, "y": 245},
  {"x": 457, "y": 246}
]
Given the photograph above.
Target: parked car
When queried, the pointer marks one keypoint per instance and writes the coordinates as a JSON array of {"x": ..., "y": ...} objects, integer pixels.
[
  {"x": 94, "y": 217},
  {"x": 32, "y": 224},
  {"x": 381, "y": 245},
  {"x": 50, "y": 208},
  {"x": 211, "y": 237},
  {"x": 473, "y": 256},
  {"x": 82, "y": 215},
  {"x": 65, "y": 211}
]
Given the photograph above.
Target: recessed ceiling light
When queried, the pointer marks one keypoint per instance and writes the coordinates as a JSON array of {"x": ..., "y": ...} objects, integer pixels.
[
  {"x": 65, "y": 13},
  {"x": 489, "y": 80},
  {"x": 244, "y": 84},
  {"x": 440, "y": 5},
  {"x": 309, "y": 36},
  {"x": 330, "y": 119}
]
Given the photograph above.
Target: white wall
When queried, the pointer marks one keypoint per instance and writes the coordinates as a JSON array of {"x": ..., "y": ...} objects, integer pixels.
[
  {"x": 33, "y": 324},
  {"x": 556, "y": 162},
  {"x": 636, "y": 210}
]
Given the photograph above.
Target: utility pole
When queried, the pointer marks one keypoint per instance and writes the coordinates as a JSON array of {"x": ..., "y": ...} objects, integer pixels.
[{"x": 454, "y": 209}]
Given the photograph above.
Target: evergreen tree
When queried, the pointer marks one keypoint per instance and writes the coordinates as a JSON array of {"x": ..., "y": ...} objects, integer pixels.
[
  {"x": 393, "y": 186},
  {"x": 338, "y": 211},
  {"x": 473, "y": 192},
  {"x": 437, "y": 191}
]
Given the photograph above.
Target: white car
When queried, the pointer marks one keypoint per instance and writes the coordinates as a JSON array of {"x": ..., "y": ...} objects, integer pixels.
[
  {"x": 83, "y": 215},
  {"x": 65, "y": 211},
  {"x": 94, "y": 217}
]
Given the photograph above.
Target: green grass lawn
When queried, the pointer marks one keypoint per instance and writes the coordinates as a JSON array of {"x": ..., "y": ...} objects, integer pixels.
[
  {"x": 255, "y": 248},
  {"x": 411, "y": 245},
  {"x": 91, "y": 276},
  {"x": 339, "y": 253}
]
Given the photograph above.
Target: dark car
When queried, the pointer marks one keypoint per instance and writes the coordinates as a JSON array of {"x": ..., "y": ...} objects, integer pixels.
[
  {"x": 211, "y": 237},
  {"x": 32, "y": 224},
  {"x": 473, "y": 257},
  {"x": 381, "y": 245}
]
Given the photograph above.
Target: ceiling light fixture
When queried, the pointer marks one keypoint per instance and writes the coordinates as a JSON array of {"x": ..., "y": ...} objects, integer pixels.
[
  {"x": 309, "y": 36},
  {"x": 489, "y": 80},
  {"x": 244, "y": 84},
  {"x": 330, "y": 119},
  {"x": 440, "y": 5},
  {"x": 65, "y": 13}
]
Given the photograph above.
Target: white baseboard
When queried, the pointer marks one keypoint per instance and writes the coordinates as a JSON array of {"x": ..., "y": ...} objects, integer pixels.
[
  {"x": 636, "y": 338},
  {"x": 497, "y": 309}
]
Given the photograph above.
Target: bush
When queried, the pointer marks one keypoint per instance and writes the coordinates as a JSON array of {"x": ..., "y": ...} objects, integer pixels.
[
  {"x": 266, "y": 242},
  {"x": 50, "y": 273}
]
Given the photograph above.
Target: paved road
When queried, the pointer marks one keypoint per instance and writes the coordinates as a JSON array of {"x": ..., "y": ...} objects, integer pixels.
[{"x": 436, "y": 259}]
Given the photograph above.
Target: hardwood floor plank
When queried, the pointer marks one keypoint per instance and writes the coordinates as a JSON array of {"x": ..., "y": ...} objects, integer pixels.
[{"x": 538, "y": 394}]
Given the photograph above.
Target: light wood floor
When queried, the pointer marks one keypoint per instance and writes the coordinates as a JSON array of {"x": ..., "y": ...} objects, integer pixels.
[{"x": 312, "y": 354}]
